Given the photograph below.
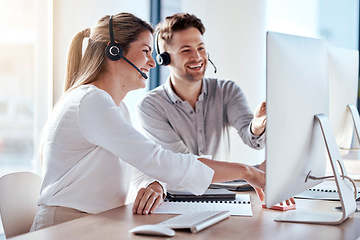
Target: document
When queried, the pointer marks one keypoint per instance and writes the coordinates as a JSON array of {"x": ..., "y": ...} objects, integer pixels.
[{"x": 241, "y": 206}]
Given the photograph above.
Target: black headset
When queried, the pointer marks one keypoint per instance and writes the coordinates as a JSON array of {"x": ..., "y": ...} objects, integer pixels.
[
  {"x": 162, "y": 59},
  {"x": 114, "y": 51}
]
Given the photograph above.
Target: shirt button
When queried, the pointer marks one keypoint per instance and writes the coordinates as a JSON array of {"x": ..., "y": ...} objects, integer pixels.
[
  {"x": 191, "y": 112},
  {"x": 258, "y": 145},
  {"x": 252, "y": 138}
]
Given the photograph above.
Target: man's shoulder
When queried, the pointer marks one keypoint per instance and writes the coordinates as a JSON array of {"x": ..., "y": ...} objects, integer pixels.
[
  {"x": 216, "y": 83},
  {"x": 157, "y": 92},
  {"x": 156, "y": 96}
]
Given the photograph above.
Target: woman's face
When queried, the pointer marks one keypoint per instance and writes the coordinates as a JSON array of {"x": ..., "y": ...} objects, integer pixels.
[{"x": 139, "y": 53}]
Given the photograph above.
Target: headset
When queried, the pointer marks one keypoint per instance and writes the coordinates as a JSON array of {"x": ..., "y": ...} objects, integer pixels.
[
  {"x": 114, "y": 51},
  {"x": 163, "y": 59}
]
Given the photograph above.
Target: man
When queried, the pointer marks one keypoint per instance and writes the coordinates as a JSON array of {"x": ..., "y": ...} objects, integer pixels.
[{"x": 190, "y": 113}]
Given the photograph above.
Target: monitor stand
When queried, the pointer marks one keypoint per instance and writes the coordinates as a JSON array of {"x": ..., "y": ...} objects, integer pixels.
[
  {"x": 356, "y": 119},
  {"x": 346, "y": 194}
]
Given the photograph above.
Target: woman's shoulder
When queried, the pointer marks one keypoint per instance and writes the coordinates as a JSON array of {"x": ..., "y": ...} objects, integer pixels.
[{"x": 90, "y": 94}]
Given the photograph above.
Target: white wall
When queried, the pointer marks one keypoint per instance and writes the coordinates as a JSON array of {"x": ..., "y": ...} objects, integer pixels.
[
  {"x": 235, "y": 38},
  {"x": 298, "y": 17}
]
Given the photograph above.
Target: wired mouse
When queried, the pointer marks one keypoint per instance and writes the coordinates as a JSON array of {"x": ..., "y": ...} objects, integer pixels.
[{"x": 153, "y": 229}]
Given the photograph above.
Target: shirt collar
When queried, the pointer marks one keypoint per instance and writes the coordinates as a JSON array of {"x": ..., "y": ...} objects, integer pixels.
[{"x": 176, "y": 99}]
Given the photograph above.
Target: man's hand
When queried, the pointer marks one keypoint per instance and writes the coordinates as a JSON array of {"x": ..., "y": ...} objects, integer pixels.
[
  {"x": 148, "y": 199},
  {"x": 259, "y": 121}
]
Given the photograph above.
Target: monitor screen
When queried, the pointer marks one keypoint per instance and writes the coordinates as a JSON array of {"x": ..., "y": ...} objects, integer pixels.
[
  {"x": 343, "y": 90},
  {"x": 297, "y": 88}
]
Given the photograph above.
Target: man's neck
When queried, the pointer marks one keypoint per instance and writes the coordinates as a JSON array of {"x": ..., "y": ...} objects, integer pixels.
[{"x": 187, "y": 90}]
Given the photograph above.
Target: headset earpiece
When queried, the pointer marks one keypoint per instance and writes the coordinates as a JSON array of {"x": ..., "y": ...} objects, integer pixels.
[
  {"x": 162, "y": 59},
  {"x": 113, "y": 50}
]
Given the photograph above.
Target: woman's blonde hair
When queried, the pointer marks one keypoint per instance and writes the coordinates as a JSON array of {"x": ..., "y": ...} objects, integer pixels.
[{"x": 82, "y": 70}]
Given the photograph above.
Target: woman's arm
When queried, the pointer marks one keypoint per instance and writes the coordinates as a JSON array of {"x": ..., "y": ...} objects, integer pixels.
[{"x": 148, "y": 199}]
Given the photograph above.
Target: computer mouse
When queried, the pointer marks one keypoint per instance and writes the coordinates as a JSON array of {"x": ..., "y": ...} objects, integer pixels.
[{"x": 153, "y": 229}]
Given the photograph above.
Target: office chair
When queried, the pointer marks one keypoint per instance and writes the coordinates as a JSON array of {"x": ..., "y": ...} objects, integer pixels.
[{"x": 18, "y": 197}]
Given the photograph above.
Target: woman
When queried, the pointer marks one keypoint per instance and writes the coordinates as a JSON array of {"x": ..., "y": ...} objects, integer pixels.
[{"x": 90, "y": 144}]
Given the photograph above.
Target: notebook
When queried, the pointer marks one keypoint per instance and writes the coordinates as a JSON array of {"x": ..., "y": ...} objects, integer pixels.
[
  {"x": 241, "y": 206},
  {"x": 235, "y": 185},
  {"x": 323, "y": 191},
  {"x": 210, "y": 194}
]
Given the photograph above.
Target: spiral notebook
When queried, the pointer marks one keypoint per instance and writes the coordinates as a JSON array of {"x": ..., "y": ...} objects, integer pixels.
[
  {"x": 323, "y": 191},
  {"x": 241, "y": 206}
]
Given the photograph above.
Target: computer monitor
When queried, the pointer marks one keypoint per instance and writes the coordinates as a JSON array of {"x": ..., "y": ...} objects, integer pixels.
[
  {"x": 343, "y": 91},
  {"x": 298, "y": 133}
]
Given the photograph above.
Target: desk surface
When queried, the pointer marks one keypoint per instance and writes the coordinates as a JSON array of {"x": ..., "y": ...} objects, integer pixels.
[{"x": 115, "y": 224}]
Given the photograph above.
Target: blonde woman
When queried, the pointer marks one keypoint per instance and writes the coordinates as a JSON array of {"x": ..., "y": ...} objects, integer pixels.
[{"x": 90, "y": 145}]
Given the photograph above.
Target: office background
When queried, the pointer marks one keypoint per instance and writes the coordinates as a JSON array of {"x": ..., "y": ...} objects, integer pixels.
[{"x": 35, "y": 35}]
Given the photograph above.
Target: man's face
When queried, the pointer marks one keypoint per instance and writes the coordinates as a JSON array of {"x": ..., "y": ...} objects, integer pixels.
[{"x": 188, "y": 55}]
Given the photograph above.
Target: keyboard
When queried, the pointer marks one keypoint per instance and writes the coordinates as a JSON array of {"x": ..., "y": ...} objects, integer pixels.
[{"x": 195, "y": 221}]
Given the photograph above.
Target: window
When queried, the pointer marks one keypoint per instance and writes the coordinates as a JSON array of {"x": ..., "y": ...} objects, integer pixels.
[
  {"x": 160, "y": 10},
  {"x": 17, "y": 44}
]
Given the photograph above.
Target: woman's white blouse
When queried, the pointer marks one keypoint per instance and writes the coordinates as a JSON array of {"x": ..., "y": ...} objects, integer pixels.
[{"x": 89, "y": 148}]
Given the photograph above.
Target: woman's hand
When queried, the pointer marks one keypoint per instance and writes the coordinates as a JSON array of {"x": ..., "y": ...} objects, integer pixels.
[
  {"x": 226, "y": 171},
  {"x": 148, "y": 199},
  {"x": 256, "y": 178},
  {"x": 259, "y": 121},
  {"x": 262, "y": 166}
]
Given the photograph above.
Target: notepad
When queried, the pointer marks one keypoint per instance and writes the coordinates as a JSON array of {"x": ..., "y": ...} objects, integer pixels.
[
  {"x": 241, "y": 206},
  {"x": 323, "y": 191},
  {"x": 283, "y": 207}
]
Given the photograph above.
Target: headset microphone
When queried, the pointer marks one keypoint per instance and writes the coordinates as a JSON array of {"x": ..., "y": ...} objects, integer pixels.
[
  {"x": 142, "y": 74},
  {"x": 114, "y": 51},
  {"x": 215, "y": 69}
]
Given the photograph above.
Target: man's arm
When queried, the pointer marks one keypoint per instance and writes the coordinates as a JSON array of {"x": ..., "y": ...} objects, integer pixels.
[{"x": 240, "y": 116}]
